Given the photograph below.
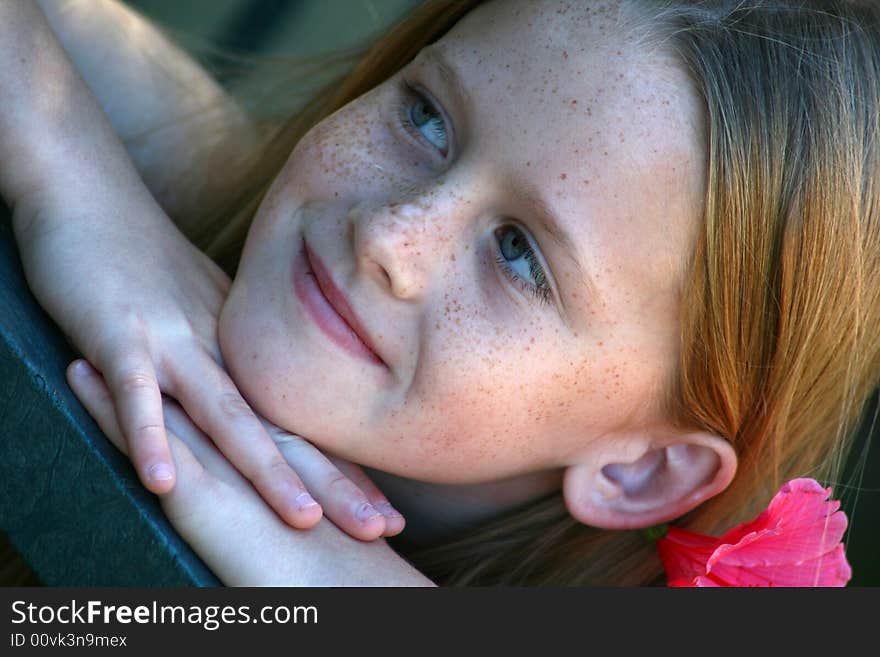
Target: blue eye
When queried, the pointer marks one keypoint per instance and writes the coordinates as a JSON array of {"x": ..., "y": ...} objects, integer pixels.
[
  {"x": 429, "y": 122},
  {"x": 420, "y": 117},
  {"x": 519, "y": 262}
]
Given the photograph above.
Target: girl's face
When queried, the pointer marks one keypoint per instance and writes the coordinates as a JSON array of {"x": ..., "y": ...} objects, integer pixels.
[{"x": 472, "y": 271}]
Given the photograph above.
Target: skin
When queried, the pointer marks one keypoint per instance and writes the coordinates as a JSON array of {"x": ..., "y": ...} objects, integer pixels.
[{"x": 481, "y": 381}]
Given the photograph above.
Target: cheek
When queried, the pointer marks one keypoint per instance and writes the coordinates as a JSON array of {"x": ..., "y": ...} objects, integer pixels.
[
  {"x": 489, "y": 403},
  {"x": 503, "y": 405},
  {"x": 337, "y": 153},
  {"x": 354, "y": 155}
]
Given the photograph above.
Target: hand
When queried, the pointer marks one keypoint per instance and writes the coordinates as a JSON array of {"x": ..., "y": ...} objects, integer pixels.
[
  {"x": 221, "y": 516},
  {"x": 104, "y": 260},
  {"x": 141, "y": 303}
]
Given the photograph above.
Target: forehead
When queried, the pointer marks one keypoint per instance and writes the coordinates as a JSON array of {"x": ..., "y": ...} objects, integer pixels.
[
  {"x": 546, "y": 37},
  {"x": 586, "y": 62},
  {"x": 570, "y": 101}
]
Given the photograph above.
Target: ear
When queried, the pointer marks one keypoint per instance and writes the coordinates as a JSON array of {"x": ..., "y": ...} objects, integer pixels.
[{"x": 635, "y": 484}]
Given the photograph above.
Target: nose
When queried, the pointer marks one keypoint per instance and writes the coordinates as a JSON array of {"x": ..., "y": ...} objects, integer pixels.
[{"x": 401, "y": 243}]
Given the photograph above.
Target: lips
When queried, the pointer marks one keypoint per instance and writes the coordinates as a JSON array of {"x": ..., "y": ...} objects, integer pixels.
[{"x": 345, "y": 328}]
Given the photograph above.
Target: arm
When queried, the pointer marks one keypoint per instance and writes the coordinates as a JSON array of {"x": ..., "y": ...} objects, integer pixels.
[
  {"x": 55, "y": 144},
  {"x": 244, "y": 543},
  {"x": 176, "y": 122},
  {"x": 220, "y": 515},
  {"x": 135, "y": 297}
]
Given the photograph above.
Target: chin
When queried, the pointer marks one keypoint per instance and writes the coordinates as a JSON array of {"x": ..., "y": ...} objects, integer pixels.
[
  {"x": 230, "y": 335},
  {"x": 242, "y": 364},
  {"x": 309, "y": 406}
]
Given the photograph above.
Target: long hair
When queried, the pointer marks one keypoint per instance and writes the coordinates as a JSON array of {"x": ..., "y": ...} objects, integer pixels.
[{"x": 780, "y": 333}]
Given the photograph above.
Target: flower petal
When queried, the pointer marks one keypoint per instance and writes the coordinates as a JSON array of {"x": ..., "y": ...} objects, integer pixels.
[
  {"x": 682, "y": 583},
  {"x": 684, "y": 554},
  {"x": 799, "y": 526},
  {"x": 795, "y": 542},
  {"x": 830, "y": 569}
]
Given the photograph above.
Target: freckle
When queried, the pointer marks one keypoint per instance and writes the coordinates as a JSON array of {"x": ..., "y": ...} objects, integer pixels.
[
  {"x": 586, "y": 181},
  {"x": 563, "y": 176}
]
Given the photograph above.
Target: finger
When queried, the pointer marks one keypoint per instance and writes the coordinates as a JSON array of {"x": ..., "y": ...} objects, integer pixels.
[
  {"x": 344, "y": 502},
  {"x": 394, "y": 520},
  {"x": 210, "y": 398},
  {"x": 131, "y": 379},
  {"x": 89, "y": 387},
  {"x": 179, "y": 424}
]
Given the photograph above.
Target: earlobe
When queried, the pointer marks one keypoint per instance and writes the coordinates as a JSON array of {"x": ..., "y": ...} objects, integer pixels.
[{"x": 659, "y": 485}]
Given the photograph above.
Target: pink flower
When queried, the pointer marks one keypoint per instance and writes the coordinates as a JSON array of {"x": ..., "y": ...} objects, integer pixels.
[{"x": 795, "y": 542}]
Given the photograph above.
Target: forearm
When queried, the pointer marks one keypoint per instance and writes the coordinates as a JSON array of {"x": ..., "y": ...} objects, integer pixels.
[
  {"x": 176, "y": 122},
  {"x": 246, "y": 544},
  {"x": 54, "y": 139},
  {"x": 321, "y": 556}
]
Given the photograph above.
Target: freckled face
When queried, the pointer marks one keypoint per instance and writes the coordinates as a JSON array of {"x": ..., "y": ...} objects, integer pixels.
[{"x": 494, "y": 350}]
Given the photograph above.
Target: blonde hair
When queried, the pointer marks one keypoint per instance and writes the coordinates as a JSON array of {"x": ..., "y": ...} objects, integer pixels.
[{"x": 779, "y": 342}]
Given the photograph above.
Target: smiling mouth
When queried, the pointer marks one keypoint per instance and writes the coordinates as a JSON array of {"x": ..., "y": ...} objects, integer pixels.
[{"x": 328, "y": 307}]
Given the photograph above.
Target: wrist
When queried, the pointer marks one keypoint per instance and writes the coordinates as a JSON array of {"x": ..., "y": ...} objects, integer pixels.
[{"x": 54, "y": 218}]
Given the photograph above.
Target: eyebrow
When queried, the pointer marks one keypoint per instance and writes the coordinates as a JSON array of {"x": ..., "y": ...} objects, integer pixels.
[
  {"x": 547, "y": 218},
  {"x": 434, "y": 55}
]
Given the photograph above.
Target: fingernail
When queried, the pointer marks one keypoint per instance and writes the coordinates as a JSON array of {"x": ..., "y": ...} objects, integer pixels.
[
  {"x": 366, "y": 512},
  {"x": 160, "y": 472},
  {"x": 388, "y": 511},
  {"x": 305, "y": 501},
  {"x": 82, "y": 368}
]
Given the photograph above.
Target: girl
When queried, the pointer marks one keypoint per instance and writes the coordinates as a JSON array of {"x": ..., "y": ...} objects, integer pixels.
[{"x": 575, "y": 267}]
